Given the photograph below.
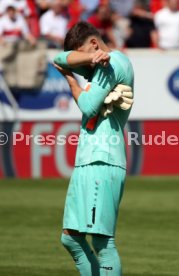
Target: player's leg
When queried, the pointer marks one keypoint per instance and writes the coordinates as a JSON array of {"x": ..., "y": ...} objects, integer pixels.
[
  {"x": 73, "y": 240},
  {"x": 108, "y": 256},
  {"x": 110, "y": 189},
  {"x": 77, "y": 245},
  {"x": 94, "y": 192},
  {"x": 74, "y": 223}
]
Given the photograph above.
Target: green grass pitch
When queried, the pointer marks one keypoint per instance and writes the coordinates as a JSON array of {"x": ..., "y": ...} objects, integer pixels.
[{"x": 30, "y": 224}]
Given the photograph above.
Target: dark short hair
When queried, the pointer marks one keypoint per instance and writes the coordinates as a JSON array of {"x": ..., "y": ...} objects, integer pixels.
[
  {"x": 78, "y": 34},
  {"x": 10, "y": 8}
]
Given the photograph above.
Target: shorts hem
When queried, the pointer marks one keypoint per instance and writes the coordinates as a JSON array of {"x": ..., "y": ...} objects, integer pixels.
[{"x": 89, "y": 231}]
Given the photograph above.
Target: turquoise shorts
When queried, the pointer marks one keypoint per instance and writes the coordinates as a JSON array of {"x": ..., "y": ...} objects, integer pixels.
[{"x": 93, "y": 198}]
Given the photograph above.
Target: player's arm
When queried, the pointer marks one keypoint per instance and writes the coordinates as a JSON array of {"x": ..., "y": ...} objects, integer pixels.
[
  {"x": 102, "y": 83},
  {"x": 78, "y": 58},
  {"x": 78, "y": 62},
  {"x": 62, "y": 61},
  {"x": 74, "y": 59},
  {"x": 73, "y": 83}
]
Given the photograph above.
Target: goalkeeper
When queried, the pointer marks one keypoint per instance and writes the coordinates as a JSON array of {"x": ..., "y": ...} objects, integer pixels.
[{"x": 97, "y": 182}]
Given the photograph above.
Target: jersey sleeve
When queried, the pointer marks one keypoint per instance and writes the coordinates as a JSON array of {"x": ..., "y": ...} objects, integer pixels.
[{"x": 61, "y": 60}]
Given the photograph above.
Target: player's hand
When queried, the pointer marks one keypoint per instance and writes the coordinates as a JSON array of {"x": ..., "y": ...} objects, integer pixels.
[
  {"x": 101, "y": 57},
  {"x": 63, "y": 71},
  {"x": 126, "y": 100},
  {"x": 121, "y": 97}
]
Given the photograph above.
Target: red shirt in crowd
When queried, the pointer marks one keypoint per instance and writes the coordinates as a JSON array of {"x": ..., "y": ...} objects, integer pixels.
[
  {"x": 33, "y": 19},
  {"x": 101, "y": 25},
  {"x": 156, "y": 5}
]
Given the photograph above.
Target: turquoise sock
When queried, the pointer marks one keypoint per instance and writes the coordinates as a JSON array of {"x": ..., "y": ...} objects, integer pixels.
[
  {"x": 85, "y": 260},
  {"x": 108, "y": 256}
]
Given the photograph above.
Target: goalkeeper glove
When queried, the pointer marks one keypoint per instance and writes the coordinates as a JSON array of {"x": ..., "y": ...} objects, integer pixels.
[{"x": 121, "y": 97}]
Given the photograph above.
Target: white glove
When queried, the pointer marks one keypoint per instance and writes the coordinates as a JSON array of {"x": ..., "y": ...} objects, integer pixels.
[{"x": 121, "y": 96}]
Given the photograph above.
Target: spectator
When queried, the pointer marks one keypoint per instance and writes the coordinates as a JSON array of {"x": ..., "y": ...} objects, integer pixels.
[
  {"x": 122, "y": 7},
  {"x": 120, "y": 29},
  {"x": 21, "y": 6},
  {"x": 89, "y": 8},
  {"x": 53, "y": 25},
  {"x": 103, "y": 22},
  {"x": 13, "y": 26},
  {"x": 167, "y": 24},
  {"x": 43, "y": 5},
  {"x": 142, "y": 29},
  {"x": 121, "y": 11},
  {"x": 28, "y": 9},
  {"x": 75, "y": 9}
]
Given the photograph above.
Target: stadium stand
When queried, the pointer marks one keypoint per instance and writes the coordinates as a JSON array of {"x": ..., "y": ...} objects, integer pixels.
[{"x": 128, "y": 23}]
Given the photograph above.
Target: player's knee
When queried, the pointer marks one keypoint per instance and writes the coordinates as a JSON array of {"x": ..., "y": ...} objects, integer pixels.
[
  {"x": 66, "y": 240},
  {"x": 63, "y": 239},
  {"x": 101, "y": 243},
  {"x": 71, "y": 242}
]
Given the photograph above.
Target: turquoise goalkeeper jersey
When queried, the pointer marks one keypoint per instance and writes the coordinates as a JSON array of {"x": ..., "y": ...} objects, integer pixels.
[{"x": 106, "y": 142}]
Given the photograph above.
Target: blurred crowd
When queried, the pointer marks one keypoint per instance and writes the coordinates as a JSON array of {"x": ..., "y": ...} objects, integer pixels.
[{"x": 122, "y": 23}]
